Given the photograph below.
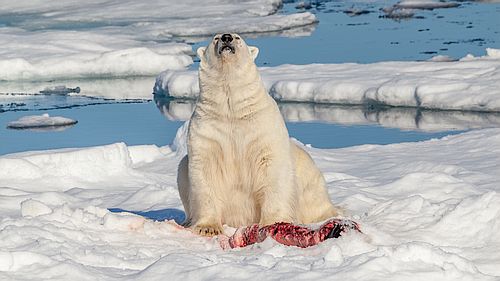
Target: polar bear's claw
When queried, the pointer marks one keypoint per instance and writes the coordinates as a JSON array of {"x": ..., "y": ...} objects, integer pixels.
[{"x": 207, "y": 230}]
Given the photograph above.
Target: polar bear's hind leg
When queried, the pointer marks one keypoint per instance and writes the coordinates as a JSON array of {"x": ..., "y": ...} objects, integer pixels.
[
  {"x": 314, "y": 201},
  {"x": 183, "y": 185}
]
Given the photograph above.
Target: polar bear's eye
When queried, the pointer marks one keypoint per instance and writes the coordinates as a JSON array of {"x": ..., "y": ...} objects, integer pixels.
[{"x": 237, "y": 38}]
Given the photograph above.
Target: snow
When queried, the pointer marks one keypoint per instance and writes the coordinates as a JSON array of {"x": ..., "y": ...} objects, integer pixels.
[
  {"x": 104, "y": 38},
  {"x": 83, "y": 54},
  {"x": 442, "y": 58},
  {"x": 40, "y": 121},
  {"x": 427, "y": 210},
  {"x": 471, "y": 83}
]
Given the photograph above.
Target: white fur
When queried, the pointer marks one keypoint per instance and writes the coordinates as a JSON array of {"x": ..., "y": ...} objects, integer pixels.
[{"x": 241, "y": 167}]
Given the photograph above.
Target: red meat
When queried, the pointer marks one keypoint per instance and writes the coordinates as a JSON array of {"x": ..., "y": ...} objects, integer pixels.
[{"x": 287, "y": 234}]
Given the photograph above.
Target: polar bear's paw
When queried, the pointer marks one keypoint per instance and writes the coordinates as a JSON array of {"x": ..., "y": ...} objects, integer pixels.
[{"x": 207, "y": 229}]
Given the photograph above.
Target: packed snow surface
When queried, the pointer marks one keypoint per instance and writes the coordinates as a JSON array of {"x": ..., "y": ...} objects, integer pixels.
[
  {"x": 40, "y": 121},
  {"x": 56, "y": 54},
  {"x": 472, "y": 83},
  {"x": 104, "y": 38},
  {"x": 428, "y": 210}
]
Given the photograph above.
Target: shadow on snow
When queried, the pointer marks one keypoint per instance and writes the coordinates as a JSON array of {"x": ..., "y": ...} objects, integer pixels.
[{"x": 158, "y": 215}]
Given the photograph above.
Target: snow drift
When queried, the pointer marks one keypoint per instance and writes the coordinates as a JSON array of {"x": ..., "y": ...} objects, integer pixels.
[
  {"x": 104, "y": 38},
  {"x": 427, "y": 210},
  {"x": 77, "y": 54}
]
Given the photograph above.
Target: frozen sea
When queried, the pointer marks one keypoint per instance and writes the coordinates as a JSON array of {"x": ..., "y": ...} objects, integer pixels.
[{"x": 398, "y": 107}]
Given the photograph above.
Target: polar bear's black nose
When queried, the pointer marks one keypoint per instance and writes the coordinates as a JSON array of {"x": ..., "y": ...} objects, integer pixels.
[{"x": 226, "y": 38}]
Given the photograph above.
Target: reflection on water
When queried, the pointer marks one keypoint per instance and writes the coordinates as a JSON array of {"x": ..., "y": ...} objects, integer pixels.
[
  {"x": 37, "y": 102},
  {"x": 49, "y": 95},
  {"x": 43, "y": 128},
  {"x": 116, "y": 88},
  {"x": 173, "y": 109},
  {"x": 132, "y": 123},
  {"x": 391, "y": 117},
  {"x": 322, "y": 126}
]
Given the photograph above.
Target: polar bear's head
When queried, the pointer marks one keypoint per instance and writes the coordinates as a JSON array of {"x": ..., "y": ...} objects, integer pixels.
[{"x": 227, "y": 49}]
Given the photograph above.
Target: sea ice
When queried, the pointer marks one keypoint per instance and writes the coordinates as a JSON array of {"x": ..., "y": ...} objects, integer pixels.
[
  {"x": 471, "y": 83},
  {"x": 425, "y": 4},
  {"x": 103, "y": 38},
  {"x": 83, "y": 54},
  {"x": 405, "y": 8},
  {"x": 40, "y": 121},
  {"x": 427, "y": 210}
]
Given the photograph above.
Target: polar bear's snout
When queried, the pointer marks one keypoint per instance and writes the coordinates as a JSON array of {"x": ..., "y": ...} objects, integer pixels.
[
  {"x": 225, "y": 48},
  {"x": 226, "y": 38},
  {"x": 226, "y": 43}
]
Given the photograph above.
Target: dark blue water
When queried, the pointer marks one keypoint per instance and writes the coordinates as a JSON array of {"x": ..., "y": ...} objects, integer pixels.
[
  {"x": 323, "y": 135},
  {"x": 142, "y": 123},
  {"x": 133, "y": 124},
  {"x": 338, "y": 37}
]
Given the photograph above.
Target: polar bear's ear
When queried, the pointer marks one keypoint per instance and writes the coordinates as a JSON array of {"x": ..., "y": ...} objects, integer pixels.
[
  {"x": 254, "y": 51},
  {"x": 201, "y": 52}
]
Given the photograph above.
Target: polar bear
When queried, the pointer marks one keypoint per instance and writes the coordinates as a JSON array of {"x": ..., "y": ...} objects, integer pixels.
[{"x": 242, "y": 168}]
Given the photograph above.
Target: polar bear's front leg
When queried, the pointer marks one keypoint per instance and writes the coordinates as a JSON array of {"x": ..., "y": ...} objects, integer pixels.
[
  {"x": 205, "y": 218},
  {"x": 279, "y": 195}
]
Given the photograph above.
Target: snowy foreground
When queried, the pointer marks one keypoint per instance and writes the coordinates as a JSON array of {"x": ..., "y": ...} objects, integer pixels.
[
  {"x": 428, "y": 210},
  {"x": 472, "y": 83},
  {"x": 105, "y": 38}
]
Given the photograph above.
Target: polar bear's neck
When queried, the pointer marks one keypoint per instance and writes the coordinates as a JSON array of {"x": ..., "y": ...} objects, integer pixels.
[{"x": 231, "y": 92}]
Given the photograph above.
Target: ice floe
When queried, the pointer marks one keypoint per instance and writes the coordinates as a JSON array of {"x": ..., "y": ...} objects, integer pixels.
[
  {"x": 406, "y": 8},
  {"x": 153, "y": 19},
  {"x": 471, "y": 83},
  {"x": 40, "y": 121},
  {"x": 425, "y": 4},
  {"x": 103, "y": 38},
  {"x": 427, "y": 210},
  {"x": 53, "y": 54}
]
